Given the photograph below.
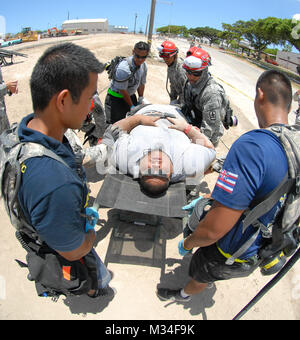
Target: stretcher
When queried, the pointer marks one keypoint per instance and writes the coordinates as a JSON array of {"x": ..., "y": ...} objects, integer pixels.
[
  {"x": 6, "y": 54},
  {"x": 122, "y": 192}
]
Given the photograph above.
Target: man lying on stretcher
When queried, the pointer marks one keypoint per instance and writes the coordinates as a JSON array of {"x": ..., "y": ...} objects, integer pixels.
[{"x": 157, "y": 146}]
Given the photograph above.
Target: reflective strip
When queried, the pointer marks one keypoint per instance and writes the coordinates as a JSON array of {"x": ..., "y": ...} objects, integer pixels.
[
  {"x": 87, "y": 201},
  {"x": 115, "y": 94},
  {"x": 228, "y": 256},
  {"x": 66, "y": 272},
  {"x": 273, "y": 263}
]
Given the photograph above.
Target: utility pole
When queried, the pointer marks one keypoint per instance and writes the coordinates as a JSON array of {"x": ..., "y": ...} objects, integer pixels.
[
  {"x": 146, "y": 30},
  {"x": 153, "y": 5},
  {"x": 135, "y": 22}
]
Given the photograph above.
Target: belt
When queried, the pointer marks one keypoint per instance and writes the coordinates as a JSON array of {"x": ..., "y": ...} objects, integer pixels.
[
  {"x": 115, "y": 94},
  {"x": 229, "y": 256}
]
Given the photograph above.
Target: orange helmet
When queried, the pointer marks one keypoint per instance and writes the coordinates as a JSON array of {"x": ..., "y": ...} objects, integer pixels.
[{"x": 167, "y": 49}]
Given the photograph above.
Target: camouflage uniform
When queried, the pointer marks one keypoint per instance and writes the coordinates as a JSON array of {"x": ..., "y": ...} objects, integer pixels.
[
  {"x": 205, "y": 106},
  {"x": 88, "y": 156},
  {"x": 4, "y": 123},
  {"x": 177, "y": 78},
  {"x": 297, "y": 112},
  {"x": 95, "y": 125}
]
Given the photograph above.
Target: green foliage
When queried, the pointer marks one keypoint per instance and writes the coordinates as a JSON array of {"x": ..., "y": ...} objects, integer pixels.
[
  {"x": 263, "y": 32},
  {"x": 272, "y": 51},
  {"x": 174, "y": 30},
  {"x": 260, "y": 33},
  {"x": 210, "y": 33}
]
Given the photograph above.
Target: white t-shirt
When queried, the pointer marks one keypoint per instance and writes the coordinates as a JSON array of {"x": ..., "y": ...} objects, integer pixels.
[{"x": 188, "y": 159}]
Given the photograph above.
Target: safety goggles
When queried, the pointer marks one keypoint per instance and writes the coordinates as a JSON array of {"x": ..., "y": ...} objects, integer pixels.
[
  {"x": 194, "y": 73},
  {"x": 140, "y": 57},
  {"x": 165, "y": 55}
]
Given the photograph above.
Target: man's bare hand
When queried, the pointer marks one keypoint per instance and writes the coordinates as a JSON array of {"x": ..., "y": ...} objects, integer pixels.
[
  {"x": 194, "y": 133},
  {"x": 178, "y": 124},
  {"x": 148, "y": 120},
  {"x": 129, "y": 123},
  {"x": 12, "y": 86}
]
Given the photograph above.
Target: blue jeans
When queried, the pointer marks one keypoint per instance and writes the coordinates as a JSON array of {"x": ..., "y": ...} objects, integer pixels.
[{"x": 103, "y": 274}]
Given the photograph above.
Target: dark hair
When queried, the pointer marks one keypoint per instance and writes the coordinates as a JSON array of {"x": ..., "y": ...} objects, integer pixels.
[
  {"x": 142, "y": 46},
  {"x": 63, "y": 66},
  {"x": 277, "y": 87},
  {"x": 153, "y": 190}
]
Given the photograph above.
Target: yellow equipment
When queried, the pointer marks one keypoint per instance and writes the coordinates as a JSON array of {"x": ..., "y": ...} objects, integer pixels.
[{"x": 27, "y": 35}]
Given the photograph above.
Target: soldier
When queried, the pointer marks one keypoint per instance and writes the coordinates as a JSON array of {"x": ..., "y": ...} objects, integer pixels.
[
  {"x": 5, "y": 88},
  {"x": 205, "y": 102},
  {"x": 297, "y": 112},
  {"x": 176, "y": 75},
  {"x": 95, "y": 124}
]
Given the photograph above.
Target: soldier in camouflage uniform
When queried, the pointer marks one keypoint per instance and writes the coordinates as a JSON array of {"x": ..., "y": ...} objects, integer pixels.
[
  {"x": 176, "y": 74},
  {"x": 297, "y": 112},
  {"x": 95, "y": 124},
  {"x": 5, "y": 88},
  {"x": 205, "y": 102}
]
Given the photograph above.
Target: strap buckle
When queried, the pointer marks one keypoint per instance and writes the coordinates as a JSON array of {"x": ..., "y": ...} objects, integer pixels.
[{"x": 230, "y": 261}]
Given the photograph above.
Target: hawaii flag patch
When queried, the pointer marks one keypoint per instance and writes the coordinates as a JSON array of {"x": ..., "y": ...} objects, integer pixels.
[{"x": 227, "y": 181}]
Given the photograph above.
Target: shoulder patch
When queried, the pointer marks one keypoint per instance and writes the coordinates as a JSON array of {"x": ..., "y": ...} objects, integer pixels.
[
  {"x": 227, "y": 181},
  {"x": 212, "y": 115}
]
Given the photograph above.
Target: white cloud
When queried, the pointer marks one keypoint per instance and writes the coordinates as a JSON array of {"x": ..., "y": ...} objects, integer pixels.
[{"x": 296, "y": 17}]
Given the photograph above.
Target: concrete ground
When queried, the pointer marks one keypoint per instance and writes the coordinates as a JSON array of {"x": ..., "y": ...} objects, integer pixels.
[{"x": 142, "y": 258}]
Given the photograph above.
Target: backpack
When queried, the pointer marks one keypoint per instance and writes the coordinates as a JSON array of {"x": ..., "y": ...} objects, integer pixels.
[
  {"x": 283, "y": 237},
  {"x": 228, "y": 119},
  {"x": 111, "y": 68},
  {"x": 53, "y": 275}
]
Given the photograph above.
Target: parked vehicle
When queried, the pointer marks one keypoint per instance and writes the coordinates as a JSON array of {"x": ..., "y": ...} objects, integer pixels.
[
  {"x": 28, "y": 35},
  {"x": 271, "y": 61}
]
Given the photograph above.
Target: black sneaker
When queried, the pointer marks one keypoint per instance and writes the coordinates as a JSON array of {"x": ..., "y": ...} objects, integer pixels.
[
  {"x": 170, "y": 294},
  {"x": 103, "y": 292}
]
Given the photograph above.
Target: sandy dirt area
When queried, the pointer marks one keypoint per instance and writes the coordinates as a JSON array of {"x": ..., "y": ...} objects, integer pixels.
[{"x": 154, "y": 261}]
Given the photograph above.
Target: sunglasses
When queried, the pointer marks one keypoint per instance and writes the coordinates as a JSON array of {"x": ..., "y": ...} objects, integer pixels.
[
  {"x": 194, "y": 73},
  {"x": 140, "y": 57}
]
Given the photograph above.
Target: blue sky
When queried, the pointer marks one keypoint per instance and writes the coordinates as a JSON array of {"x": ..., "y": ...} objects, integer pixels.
[{"x": 40, "y": 14}]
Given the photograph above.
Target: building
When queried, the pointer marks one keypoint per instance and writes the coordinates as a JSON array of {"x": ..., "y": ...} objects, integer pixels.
[
  {"x": 117, "y": 29},
  {"x": 87, "y": 26},
  {"x": 288, "y": 60},
  {"x": 246, "y": 45}
]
